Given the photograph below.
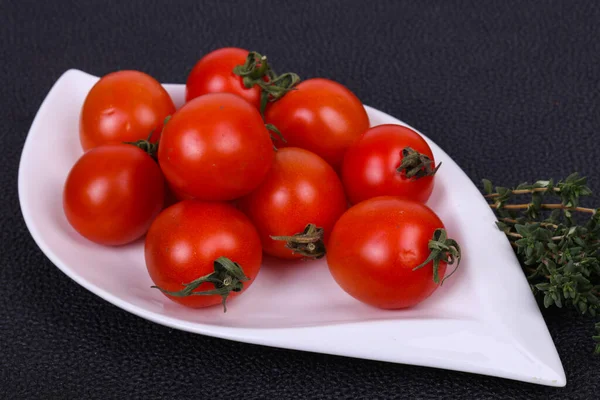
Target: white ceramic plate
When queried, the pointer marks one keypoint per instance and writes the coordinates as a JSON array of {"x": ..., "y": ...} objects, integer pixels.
[{"x": 484, "y": 320}]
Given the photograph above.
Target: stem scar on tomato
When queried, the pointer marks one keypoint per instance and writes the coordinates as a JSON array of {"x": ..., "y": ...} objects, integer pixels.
[
  {"x": 227, "y": 277},
  {"x": 416, "y": 165},
  {"x": 308, "y": 243},
  {"x": 442, "y": 249}
]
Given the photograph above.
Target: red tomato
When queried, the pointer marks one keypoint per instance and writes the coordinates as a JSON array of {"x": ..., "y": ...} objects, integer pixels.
[
  {"x": 186, "y": 240},
  {"x": 375, "y": 246},
  {"x": 300, "y": 189},
  {"x": 216, "y": 147},
  {"x": 321, "y": 116},
  {"x": 113, "y": 193},
  {"x": 214, "y": 74},
  {"x": 123, "y": 106},
  {"x": 370, "y": 166}
]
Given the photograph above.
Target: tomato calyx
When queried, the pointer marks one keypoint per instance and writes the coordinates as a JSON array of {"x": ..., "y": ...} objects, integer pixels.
[
  {"x": 442, "y": 249},
  {"x": 273, "y": 129},
  {"x": 146, "y": 145},
  {"x": 308, "y": 243},
  {"x": 228, "y": 276},
  {"x": 257, "y": 71},
  {"x": 415, "y": 165}
]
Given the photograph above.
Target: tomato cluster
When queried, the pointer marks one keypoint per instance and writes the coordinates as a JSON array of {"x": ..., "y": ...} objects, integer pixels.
[{"x": 256, "y": 163}]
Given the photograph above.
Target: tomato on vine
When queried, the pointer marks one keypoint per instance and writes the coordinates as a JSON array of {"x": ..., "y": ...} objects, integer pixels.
[
  {"x": 321, "y": 116},
  {"x": 123, "y": 106},
  {"x": 390, "y": 252},
  {"x": 240, "y": 72},
  {"x": 296, "y": 205},
  {"x": 112, "y": 194},
  {"x": 389, "y": 160},
  {"x": 202, "y": 253},
  {"x": 216, "y": 147},
  {"x": 213, "y": 73}
]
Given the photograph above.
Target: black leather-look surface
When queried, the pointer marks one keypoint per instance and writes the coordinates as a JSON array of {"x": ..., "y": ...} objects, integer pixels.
[{"x": 511, "y": 90}]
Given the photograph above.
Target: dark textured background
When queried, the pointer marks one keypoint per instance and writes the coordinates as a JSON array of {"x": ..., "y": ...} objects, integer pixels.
[{"x": 509, "y": 89}]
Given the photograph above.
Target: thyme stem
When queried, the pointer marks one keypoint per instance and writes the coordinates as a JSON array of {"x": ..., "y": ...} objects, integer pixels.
[
  {"x": 544, "y": 206},
  {"x": 559, "y": 255}
]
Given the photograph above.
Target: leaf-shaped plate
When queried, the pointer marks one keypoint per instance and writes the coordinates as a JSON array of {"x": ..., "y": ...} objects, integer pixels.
[{"x": 484, "y": 320}]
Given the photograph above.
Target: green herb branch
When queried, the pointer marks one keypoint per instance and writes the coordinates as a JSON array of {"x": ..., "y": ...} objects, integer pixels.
[{"x": 557, "y": 246}]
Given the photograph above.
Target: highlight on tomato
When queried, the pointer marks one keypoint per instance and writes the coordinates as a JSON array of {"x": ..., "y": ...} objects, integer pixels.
[
  {"x": 389, "y": 160},
  {"x": 216, "y": 147},
  {"x": 112, "y": 194},
  {"x": 201, "y": 254},
  {"x": 297, "y": 204},
  {"x": 319, "y": 115},
  {"x": 124, "y": 106},
  {"x": 390, "y": 252}
]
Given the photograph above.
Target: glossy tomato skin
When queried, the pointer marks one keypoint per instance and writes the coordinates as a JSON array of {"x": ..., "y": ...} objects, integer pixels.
[
  {"x": 370, "y": 165},
  {"x": 301, "y": 188},
  {"x": 213, "y": 73},
  {"x": 320, "y": 115},
  {"x": 216, "y": 147},
  {"x": 185, "y": 240},
  {"x": 376, "y": 244},
  {"x": 113, "y": 193},
  {"x": 123, "y": 106}
]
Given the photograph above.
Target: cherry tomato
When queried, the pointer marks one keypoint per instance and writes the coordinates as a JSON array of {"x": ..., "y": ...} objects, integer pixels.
[
  {"x": 123, "y": 106},
  {"x": 187, "y": 240},
  {"x": 375, "y": 246},
  {"x": 300, "y": 189},
  {"x": 213, "y": 73},
  {"x": 216, "y": 147},
  {"x": 371, "y": 165},
  {"x": 113, "y": 193},
  {"x": 319, "y": 115}
]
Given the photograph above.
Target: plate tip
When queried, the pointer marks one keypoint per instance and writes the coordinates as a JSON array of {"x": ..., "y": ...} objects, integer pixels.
[
  {"x": 561, "y": 381},
  {"x": 556, "y": 378}
]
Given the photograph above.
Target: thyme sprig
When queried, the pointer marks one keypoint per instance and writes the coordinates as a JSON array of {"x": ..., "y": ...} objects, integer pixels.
[{"x": 557, "y": 247}]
